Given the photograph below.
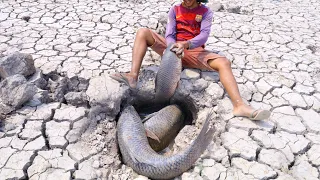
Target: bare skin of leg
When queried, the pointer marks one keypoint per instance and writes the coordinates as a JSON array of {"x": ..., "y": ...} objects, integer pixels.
[
  {"x": 142, "y": 41},
  {"x": 223, "y": 66}
]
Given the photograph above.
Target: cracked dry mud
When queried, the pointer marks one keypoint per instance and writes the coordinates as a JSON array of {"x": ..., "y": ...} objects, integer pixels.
[{"x": 274, "y": 48}]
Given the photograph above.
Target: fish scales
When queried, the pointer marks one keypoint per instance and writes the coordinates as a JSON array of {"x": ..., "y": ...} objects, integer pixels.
[
  {"x": 165, "y": 124},
  {"x": 138, "y": 154},
  {"x": 168, "y": 76}
]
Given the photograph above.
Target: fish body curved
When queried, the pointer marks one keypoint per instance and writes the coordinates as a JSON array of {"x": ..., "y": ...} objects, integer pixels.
[
  {"x": 165, "y": 124},
  {"x": 138, "y": 154}
]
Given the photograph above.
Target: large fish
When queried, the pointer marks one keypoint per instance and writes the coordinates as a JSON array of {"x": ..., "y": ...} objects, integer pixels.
[
  {"x": 168, "y": 76},
  {"x": 165, "y": 125},
  {"x": 137, "y": 153}
]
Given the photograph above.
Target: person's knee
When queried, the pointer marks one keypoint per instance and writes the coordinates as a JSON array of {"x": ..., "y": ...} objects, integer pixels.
[
  {"x": 224, "y": 63},
  {"x": 142, "y": 33}
]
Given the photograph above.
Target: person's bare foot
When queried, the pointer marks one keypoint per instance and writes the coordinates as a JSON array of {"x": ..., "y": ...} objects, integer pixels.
[
  {"x": 127, "y": 78},
  {"x": 253, "y": 114}
]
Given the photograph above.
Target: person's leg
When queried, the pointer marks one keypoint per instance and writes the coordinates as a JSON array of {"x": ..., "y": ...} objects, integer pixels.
[
  {"x": 142, "y": 41},
  {"x": 223, "y": 66}
]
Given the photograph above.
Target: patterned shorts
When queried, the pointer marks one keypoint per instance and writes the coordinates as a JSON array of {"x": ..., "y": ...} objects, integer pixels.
[{"x": 193, "y": 58}]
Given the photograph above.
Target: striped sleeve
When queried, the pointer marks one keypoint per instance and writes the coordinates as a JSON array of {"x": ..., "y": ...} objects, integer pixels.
[
  {"x": 171, "y": 27},
  {"x": 205, "y": 29}
]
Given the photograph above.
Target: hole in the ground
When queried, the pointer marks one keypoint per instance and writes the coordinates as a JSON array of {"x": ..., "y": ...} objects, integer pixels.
[
  {"x": 166, "y": 133},
  {"x": 144, "y": 109}
]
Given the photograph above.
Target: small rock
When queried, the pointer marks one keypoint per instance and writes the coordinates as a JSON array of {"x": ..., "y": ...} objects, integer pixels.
[
  {"x": 26, "y": 18},
  {"x": 77, "y": 84},
  {"x": 76, "y": 98},
  {"x": 215, "y": 91},
  {"x": 96, "y": 164},
  {"x": 15, "y": 91},
  {"x": 42, "y": 96},
  {"x": 210, "y": 76},
  {"x": 235, "y": 10},
  {"x": 190, "y": 74},
  {"x": 215, "y": 5},
  {"x": 200, "y": 85},
  {"x": 38, "y": 79},
  {"x": 58, "y": 88},
  {"x": 106, "y": 92},
  {"x": 17, "y": 63},
  {"x": 208, "y": 162}
]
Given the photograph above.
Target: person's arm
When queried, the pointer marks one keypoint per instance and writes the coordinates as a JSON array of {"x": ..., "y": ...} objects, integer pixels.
[
  {"x": 171, "y": 27},
  {"x": 205, "y": 29}
]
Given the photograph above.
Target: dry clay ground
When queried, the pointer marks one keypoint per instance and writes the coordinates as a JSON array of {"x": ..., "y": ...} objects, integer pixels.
[{"x": 67, "y": 130}]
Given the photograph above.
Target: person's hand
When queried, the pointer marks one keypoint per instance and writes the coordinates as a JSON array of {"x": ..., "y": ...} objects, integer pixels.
[{"x": 178, "y": 48}]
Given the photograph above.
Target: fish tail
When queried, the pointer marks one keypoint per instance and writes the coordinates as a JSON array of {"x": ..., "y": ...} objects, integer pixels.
[
  {"x": 202, "y": 141},
  {"x": 206, "y": 134},
  {"x": 184, "y": 160}
]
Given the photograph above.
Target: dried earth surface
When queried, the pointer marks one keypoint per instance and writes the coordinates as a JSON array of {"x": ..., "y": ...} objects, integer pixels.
[{"x": 58, "y": 106}]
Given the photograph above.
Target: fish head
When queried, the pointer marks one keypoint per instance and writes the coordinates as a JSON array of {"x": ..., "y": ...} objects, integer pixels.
[{"x": 169, "y": 53}]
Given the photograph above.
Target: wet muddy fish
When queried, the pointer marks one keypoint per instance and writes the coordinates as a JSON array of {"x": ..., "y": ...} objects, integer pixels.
[
  {"x": 165, "y": 125},
  {"x": 168, "y": 76},
  {"x": 138, "y": 154}
]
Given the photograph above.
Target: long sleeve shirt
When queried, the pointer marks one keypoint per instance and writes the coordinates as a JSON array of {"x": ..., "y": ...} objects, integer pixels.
[{"x": 191, "y": 25}]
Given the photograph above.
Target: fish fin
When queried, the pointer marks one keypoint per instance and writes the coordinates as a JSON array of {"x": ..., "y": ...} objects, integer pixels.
[
  {"x": 177, "y": 85},
  {"x": 206, "y": 134},
  {"x": 148, "y": 117},
  {"x": 133, "y": 157},
  {"x": 137, "y": 159},
  {"x": 155, "y": 82},
  {"x": 204, "y": 138},
  {"x": 152, "y": 135},
  {"x": 170, "y": 146}
]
